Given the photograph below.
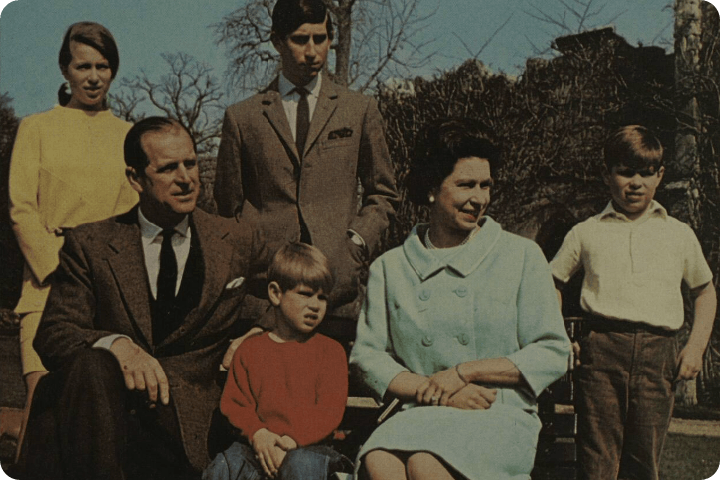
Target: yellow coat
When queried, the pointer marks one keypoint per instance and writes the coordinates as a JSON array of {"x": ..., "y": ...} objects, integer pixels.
[{"x": 67, "y": 168}]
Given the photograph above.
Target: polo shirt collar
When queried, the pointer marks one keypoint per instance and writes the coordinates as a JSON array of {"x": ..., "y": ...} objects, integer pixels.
[
  {"x": 464, "y": 262},
  {"x": 654, "y": 210}
]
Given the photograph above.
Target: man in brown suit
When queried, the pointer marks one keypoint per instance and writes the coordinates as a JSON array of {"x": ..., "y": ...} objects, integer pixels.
[
  {"x": 291, "y": 156},
  {"x": 138, "y": 319}
]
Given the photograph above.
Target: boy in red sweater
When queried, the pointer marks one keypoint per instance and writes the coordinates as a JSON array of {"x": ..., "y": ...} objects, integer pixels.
[{"x": 286, "y": 389}]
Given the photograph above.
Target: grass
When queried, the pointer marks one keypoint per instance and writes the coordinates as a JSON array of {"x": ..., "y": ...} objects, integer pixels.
[{"x": 689, "y": 457}]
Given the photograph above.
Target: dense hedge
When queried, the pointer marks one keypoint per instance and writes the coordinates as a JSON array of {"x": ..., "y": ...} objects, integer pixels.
[{"x": 550, "y": 123}]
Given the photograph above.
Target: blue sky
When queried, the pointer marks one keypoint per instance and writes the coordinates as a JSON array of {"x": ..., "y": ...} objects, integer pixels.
[{"x": 31, "y": 32}]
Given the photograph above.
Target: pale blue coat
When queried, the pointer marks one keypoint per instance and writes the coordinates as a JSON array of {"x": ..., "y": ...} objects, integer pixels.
[{"x": 428, "y": 310}]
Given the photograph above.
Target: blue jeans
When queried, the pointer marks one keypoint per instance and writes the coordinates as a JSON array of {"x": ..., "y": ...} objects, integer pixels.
[{"x": 238, "y": 462}]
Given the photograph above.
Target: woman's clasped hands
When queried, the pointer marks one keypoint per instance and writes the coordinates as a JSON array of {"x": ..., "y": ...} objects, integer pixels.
[{"x": 448, "y": 388}]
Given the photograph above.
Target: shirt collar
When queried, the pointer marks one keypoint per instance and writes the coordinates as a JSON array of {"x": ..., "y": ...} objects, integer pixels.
[
  {"x": 654, "y": 209},
  {"x": 285, "y": 86},
  {"x": 150, "y": 231}
]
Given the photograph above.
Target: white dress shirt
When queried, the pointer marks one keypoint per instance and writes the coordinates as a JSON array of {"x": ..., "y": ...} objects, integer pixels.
[
  {"x": 291, "y": 98},
  {"x": 151, "y": 238}
]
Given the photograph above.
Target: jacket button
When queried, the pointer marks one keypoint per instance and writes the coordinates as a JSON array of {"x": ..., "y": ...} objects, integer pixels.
[
  {"x": 463, "y": 339},
  {"x": 424, "y": 295},
  {"x": 461, "y": 291},
  {"x": 427, "y": 341}
]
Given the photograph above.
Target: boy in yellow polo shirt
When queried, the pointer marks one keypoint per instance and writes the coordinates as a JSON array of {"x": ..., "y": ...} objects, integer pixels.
[{"x": 635, "y": 257}]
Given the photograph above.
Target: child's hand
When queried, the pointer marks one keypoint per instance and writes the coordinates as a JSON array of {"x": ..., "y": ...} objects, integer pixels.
[
  {"x": 690, "y": 363},
  {"x": 287, "y": 443},
  {"x": 576, "y": 354},
  {"x": 473, "y": 397},
  {"x": 270, "y": 456}
]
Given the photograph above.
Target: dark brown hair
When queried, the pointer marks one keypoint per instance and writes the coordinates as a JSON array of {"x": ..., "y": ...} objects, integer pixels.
[
  {"x": 135, "y": 156},
  {"x": 440, "y": 146},
  {"x": 288, "y": 15}
]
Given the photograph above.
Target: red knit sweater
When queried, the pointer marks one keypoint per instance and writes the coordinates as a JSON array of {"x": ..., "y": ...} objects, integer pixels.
[{"x": 292, "y": 388}]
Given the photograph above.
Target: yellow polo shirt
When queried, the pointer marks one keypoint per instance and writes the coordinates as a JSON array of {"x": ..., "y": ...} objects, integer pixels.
[{"x": 633, "y": 269}]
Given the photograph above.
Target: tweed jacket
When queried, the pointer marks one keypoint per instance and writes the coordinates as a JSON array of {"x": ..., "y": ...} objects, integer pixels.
[
  {"x": 101, "y": 287},
  {"x": 260, "y": 175}
]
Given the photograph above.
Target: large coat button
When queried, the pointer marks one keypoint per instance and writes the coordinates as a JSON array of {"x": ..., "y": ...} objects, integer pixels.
[
  {"x": 461, "y": 291},
  {"x": 424, "y": 295},
  {"x": 427, "y": 341},
  {"x": 463, "y": 338}
]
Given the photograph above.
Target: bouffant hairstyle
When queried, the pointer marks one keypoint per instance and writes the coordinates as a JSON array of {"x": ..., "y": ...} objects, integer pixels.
[
  {"x": 439, "y": 147},
  {"x": 633, "y": 146},
  {"x": 288, "y": 15},
  {"x": 298, "y": 263},
  {"x": 94, "y": 35},
  {"x": 135, "y": 155}
]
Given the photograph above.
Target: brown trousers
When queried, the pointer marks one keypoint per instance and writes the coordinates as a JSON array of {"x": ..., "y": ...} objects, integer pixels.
[{"x": 625, "y": 400}]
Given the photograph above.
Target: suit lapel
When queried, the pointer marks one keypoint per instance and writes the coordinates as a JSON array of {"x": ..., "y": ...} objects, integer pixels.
[
  {"x": 275, "y": 114},
  {"x": 217, "y": 258},
  {"x": 128, "y": 266},
  {"x": 326, "y": 105}
]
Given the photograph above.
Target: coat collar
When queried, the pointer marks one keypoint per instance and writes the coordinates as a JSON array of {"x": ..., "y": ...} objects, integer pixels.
[
  {"x": 212, "y": 237},
  {"x": 128, "y": 268},
  {"x": 273, "y": 110},
  {"x": 125, "y": 260},
  {"x": 464, "y": 262}
]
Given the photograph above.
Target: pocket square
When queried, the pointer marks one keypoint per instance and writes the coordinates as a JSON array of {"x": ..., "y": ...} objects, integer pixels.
[
  {"x": 235, "y": 283},
  {"x": 342, "y": 133}
]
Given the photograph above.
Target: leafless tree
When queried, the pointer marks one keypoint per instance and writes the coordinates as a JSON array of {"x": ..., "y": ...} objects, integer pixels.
[
  {"x": 375, "y": 39},
  {"x": 188, "y": 93},
  {"x": 125, "y": 105}
]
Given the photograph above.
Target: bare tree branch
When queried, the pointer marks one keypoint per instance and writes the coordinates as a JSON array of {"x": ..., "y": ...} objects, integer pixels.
[
  {"x": 188, "y": 93},
  {"x": 375, "y": 39}
]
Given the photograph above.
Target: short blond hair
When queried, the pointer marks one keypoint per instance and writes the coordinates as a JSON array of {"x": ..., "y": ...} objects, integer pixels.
[{"x": 298, "y": 263}]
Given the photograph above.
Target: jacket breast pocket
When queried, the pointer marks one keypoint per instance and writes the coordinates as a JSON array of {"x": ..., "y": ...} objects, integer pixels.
[{"x": 332, "y": 143}]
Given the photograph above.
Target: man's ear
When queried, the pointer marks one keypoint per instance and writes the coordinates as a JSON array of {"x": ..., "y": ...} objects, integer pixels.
[
  {"x": 133, "y": 179},
  {"x": 274, "y": 293}
]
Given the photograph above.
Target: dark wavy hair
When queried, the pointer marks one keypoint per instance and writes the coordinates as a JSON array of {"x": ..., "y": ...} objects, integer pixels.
[
  {"x": 135, "y": 156},
  {"x": 94, "y": 35},
  {"x": 288, "y": 15},
  {"x": 439, "y": 147}
]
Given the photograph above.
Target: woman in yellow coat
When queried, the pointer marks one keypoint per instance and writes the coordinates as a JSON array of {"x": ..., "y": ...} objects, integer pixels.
[{"x": 67, "y": 168}]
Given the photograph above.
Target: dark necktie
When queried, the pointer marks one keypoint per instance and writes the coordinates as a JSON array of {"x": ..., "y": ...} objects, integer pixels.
[
  {"x": 167, "y": 277},
  {"x": 302, "y": 121}
]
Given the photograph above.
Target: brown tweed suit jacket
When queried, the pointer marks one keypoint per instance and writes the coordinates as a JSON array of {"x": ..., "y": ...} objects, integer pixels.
[
  {"x": 260, "y": 175},
  {"x": 101, "y": 288}
]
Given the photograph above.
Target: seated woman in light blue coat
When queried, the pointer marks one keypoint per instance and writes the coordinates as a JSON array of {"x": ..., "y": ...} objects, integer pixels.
[{"x": 462, "y": 324}]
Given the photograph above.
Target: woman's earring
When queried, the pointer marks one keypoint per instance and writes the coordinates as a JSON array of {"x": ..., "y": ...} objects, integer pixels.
[{"x": 431, "y": 198}]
